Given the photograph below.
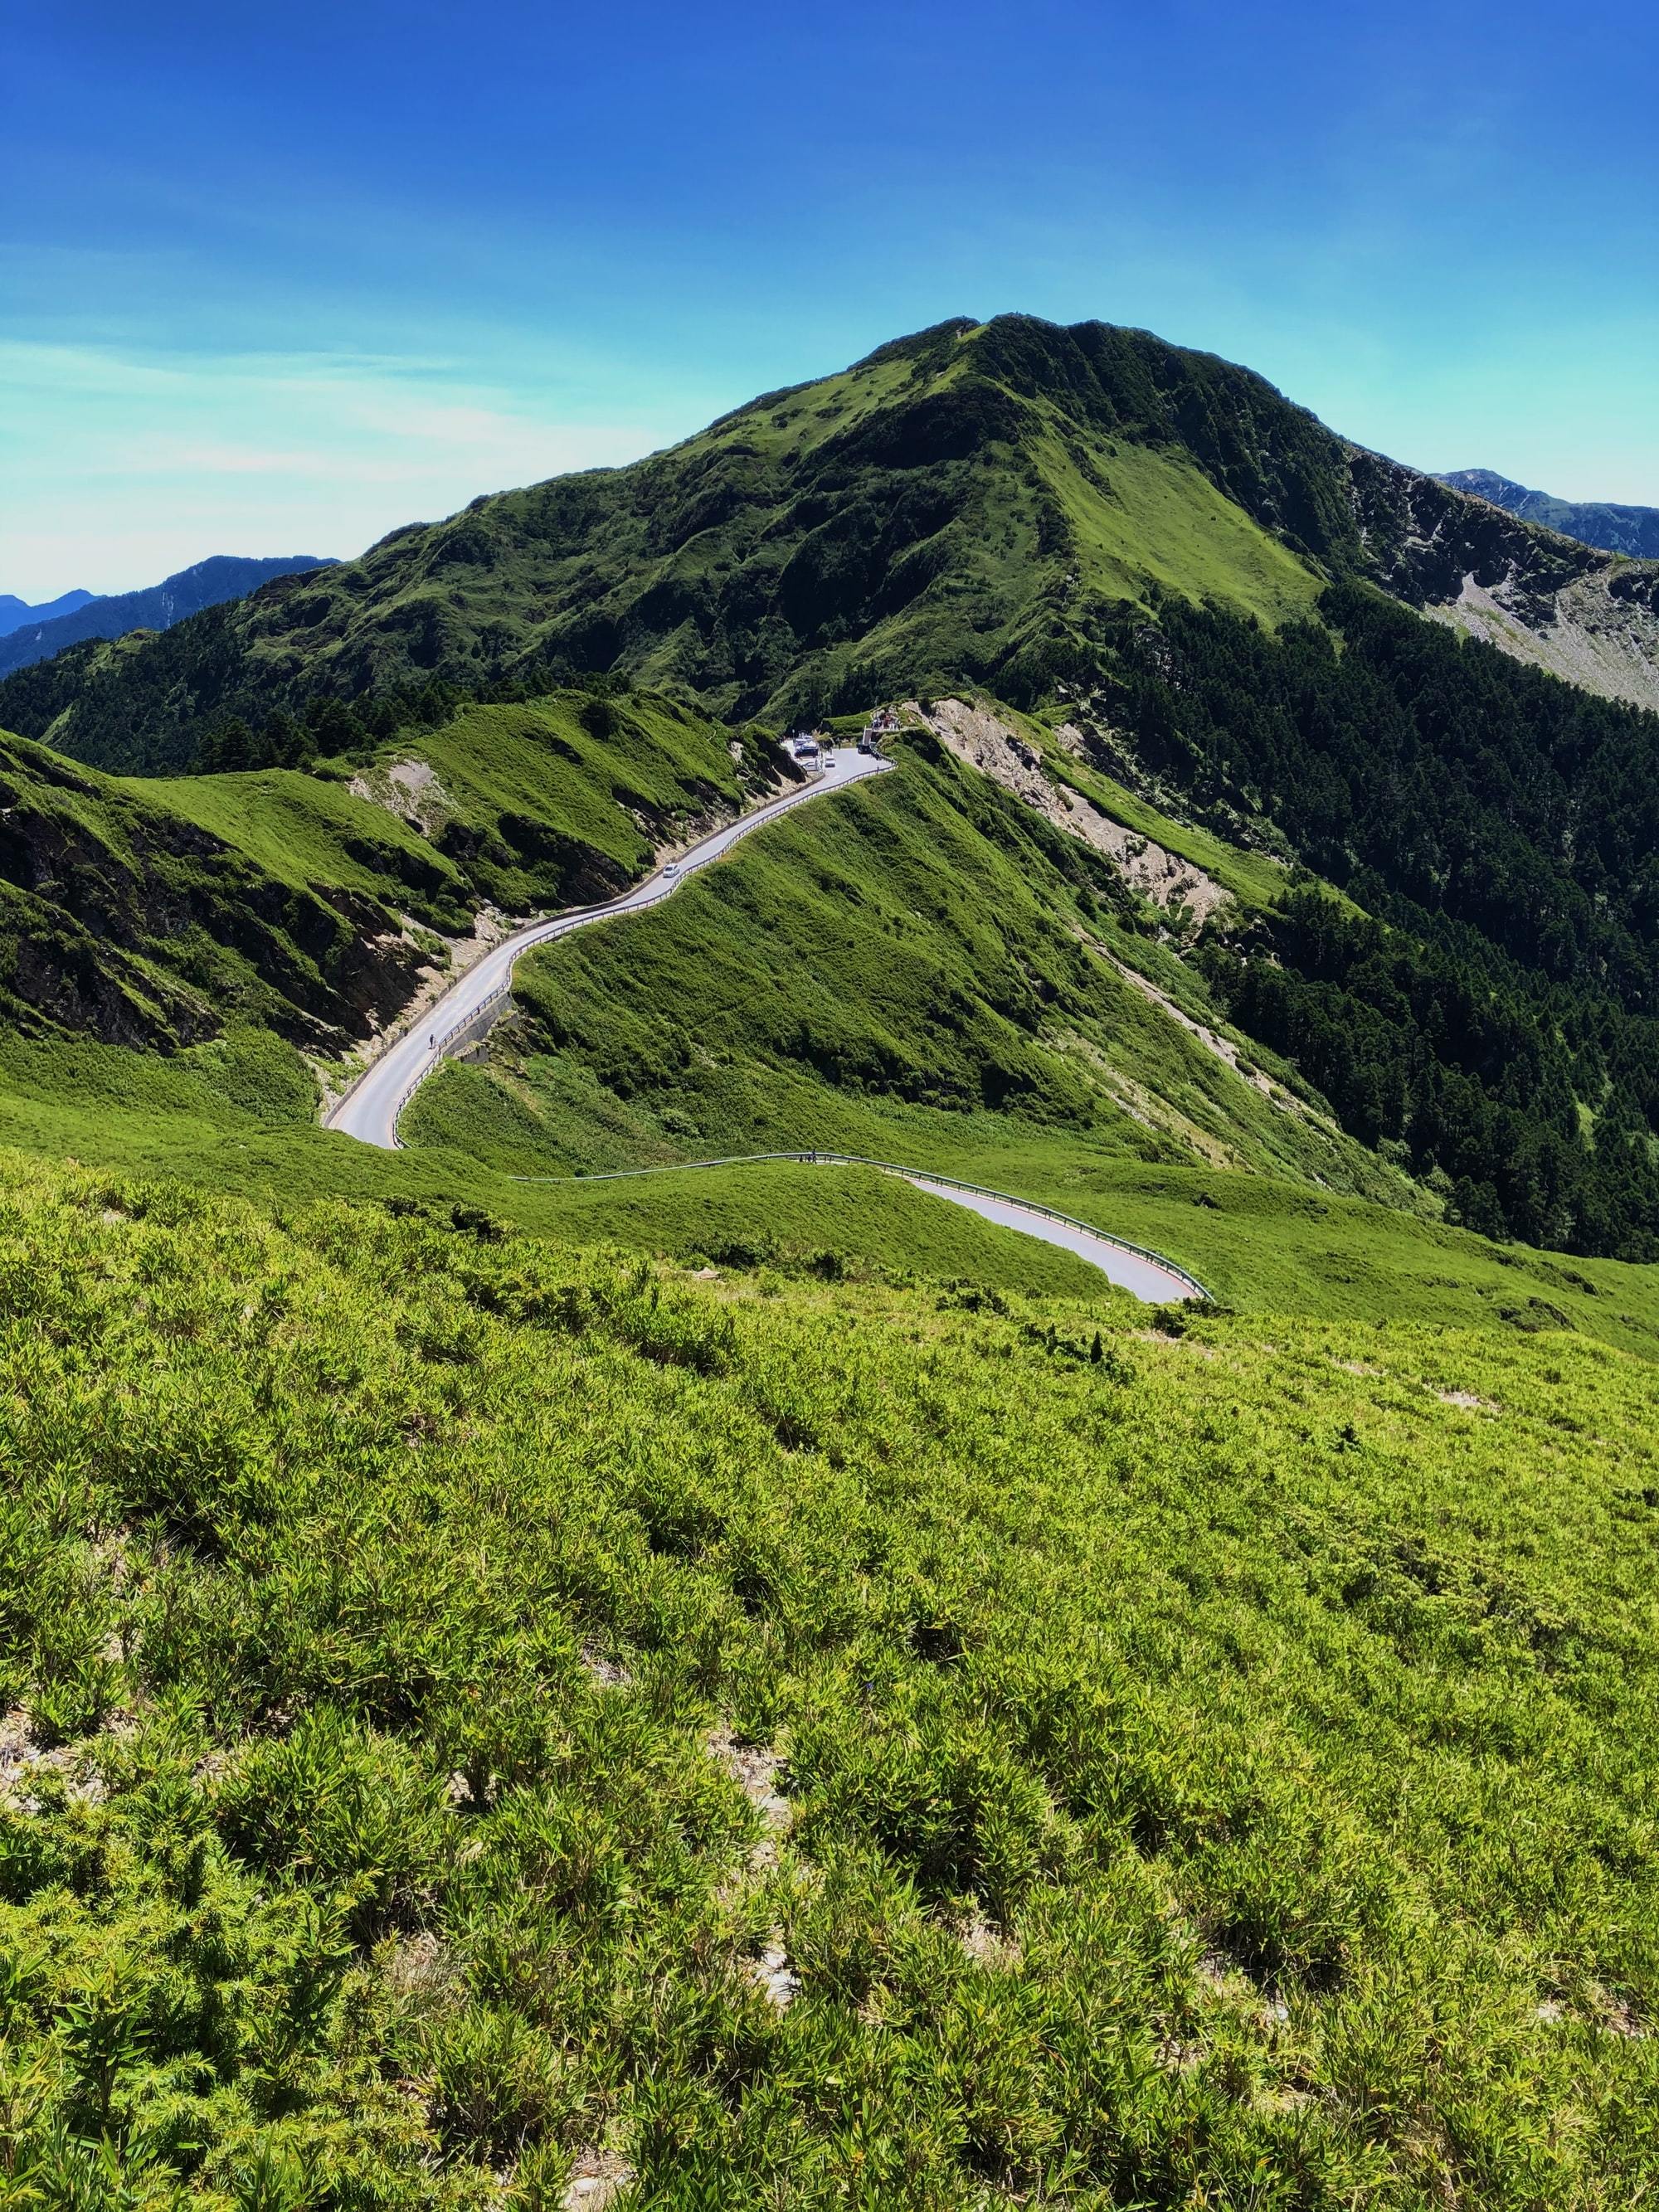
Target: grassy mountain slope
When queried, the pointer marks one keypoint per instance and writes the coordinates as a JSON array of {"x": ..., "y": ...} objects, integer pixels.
[
  {"x": 236, "y": 1115},
  {"x": 1498, "y": 1040},
  {"x": 1479, "y": 1006},
  {"x": 917, "y": 510},
  {"x": 959, "y": 507},
  {"x": 879, "y": 1751},
  {"x": 894, "y": 968},
  {"x": 121, "y": 918},
  {"x": 152, "y": 912},
  {"x": 551, "y": 802},
  {"x": 926, "y": 970}
]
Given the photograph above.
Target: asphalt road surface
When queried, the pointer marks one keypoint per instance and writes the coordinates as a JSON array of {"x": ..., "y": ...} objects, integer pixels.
[
  {"x": 370, "y": 1109},
  {"x": 1132, "y": 1271}
]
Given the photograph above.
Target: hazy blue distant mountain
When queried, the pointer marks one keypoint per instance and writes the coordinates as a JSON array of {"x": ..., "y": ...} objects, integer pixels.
[
  {"x": 42, "y": 632},
  {"x": 1632, "y": 530},
  {"x": 15, "y": 612}
]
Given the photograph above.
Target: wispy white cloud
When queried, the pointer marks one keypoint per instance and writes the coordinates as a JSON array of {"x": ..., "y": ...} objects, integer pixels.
[{"x": 117, "y": 466}]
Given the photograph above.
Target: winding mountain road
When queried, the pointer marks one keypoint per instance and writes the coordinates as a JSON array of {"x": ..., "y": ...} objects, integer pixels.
[{"x": 369, "y": 1111}]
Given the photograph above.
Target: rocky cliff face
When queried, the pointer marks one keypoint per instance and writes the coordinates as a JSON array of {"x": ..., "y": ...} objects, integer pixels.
[{"x": 1589, "y": 616}]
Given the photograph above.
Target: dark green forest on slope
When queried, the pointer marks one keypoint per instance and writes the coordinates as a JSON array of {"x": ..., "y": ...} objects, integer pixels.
[{"x": 1496, "y": 1011}]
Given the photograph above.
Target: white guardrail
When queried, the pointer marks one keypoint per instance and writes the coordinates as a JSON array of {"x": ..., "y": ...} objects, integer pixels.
[
  {"x": 485, "y": 1012},
  {"x": 912, "y": 1175}
]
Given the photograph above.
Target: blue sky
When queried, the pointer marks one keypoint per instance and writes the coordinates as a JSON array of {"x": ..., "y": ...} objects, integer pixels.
[{"x": 276, "y": 280}]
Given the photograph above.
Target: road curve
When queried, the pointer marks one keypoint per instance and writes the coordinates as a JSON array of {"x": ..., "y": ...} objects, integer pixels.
[
  {"x": 1147, "y": 1277},
  {"x": 1148, "y": 1274},
  {"x": 370, "y": 1109}
]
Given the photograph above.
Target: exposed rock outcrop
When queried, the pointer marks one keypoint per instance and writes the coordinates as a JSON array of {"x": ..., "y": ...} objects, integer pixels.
[
  {"x": 1587, "y": 616},
  {"x": 976, "y": 734}
]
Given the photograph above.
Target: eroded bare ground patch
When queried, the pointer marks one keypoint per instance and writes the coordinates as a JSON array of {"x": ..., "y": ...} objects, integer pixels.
[
  {"x": 610, "y": 1673},
  {"x": 411, "y": 789},
  {"x": 1606, "y": 645},
  {"x": 755, "y": 1770},
  {"x": 980, "y": 739},
  {"x": 1222, "y": 1049},
  {"x": 988, "y": 1945},
  {"x": 24, "y": 1764},
  {"x": 1600, "y": 2008},
  {"x": 598, "y": 2178},
  {"x": 772, "y": 1975}
]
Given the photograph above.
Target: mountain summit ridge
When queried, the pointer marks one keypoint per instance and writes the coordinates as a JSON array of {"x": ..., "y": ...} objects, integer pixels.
[
  {"x": 979, "y": 502},
  {"x": 15, "y": 612}
]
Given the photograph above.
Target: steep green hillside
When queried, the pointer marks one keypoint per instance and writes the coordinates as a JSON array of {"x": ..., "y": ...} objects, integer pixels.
[
  {"x": 901, "y": 970},
  {"x": 933, "y": 508},
  {"x": 551, "y": 802},
  {"x": 985, "y": 935},
  {"x": 1505, "y": 1029},
  {"x": 153, "y": 912},
  {"x": 964, "y": 506},
  {"x": 120, "y": 917},
  {"x": 476, "y": 1717},
  {"x": 926, "y": 970}
]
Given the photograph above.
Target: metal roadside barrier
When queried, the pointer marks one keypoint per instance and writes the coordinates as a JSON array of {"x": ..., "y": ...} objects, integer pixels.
[
  {"x": 502, "y": 992},
  {"x": 485, "y": 1011},
  {"x": 911, "y": 1175}
]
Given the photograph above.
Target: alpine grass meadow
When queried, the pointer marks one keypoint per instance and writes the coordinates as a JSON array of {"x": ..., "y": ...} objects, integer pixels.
[
  {"x": 499, "y": 1715},
  {"x": 570, "y": 1664}
]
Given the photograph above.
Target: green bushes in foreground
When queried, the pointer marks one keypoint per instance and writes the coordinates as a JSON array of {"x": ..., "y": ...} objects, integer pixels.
[{"x": 479, "y": 1716}]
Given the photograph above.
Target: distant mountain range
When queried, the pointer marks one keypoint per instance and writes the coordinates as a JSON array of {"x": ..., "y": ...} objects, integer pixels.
[
  {"x": 15, "y": 612},
  {"x": 1631, "y": 530},
  {"x": 29, "y": 634}
]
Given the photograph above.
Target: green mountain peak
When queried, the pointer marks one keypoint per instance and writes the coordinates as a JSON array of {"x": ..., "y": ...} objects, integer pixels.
[{"x": 977, "y": 502}]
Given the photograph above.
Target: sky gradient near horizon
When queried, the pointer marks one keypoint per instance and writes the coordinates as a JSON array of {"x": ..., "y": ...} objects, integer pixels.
[{"x": 275, "y": 283}]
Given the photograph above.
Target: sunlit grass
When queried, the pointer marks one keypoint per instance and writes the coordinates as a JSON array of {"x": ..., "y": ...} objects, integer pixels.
[{"x": 1199, "y": 1764}]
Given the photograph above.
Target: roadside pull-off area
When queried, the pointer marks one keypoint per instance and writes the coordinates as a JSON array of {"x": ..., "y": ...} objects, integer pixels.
[{"x": 370, "y": 1109}]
